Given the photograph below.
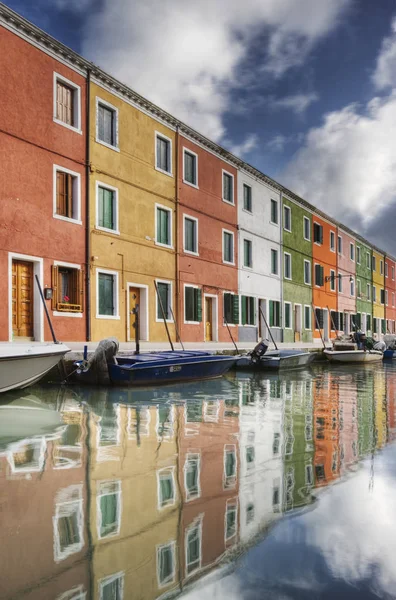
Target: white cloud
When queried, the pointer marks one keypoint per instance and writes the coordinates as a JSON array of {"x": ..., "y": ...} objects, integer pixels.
[
  {"x": 277, "y": 143},
  {"x": 188, "y": 57},
  {"x": 297, "y": 103},
  {"x": 347, "y": 166},
  {"x": 249, "y": 144},
  {"x": 384, "y": 75}
]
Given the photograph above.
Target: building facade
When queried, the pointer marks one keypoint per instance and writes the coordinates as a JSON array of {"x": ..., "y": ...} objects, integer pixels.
[
  {"x": 324, "y": 283},
  {"x": 390, "y": 293},
  {"x": 364, "y": 286},
  {"x": 378, "y": 294}
]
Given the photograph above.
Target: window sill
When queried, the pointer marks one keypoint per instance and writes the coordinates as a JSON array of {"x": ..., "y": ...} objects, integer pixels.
[
  {"x": 273, "y": 223},
  {"x": 249, "y": 212},
  {"x": 226, "y": 262},
  {"x": 110, "y": 317},
  {"x": 310, "y": 284},
  {"x": 307, "y": 239},
  {"x": 67, "y": 219},
  {"x": 168, "y": 173},
  {"x": 192, "y": 322},
  {"x": 157, "y": 320},
  {"x": 288, "y": 278},
  {"x": 113, "y": 231},
  {"x": 163, "y": 245},
  {"x": 193, "y": 185},
  {"x": 64, "y": 313},
  {"x": 228, "y": 202},
  {"x": 288, "y": 230},
  {"x": 231, "y": 325},
  {"x": 246, "y": 268},
  {"x": 190, "y": 252},
  {"x": 247, "y": 325},
  {"x": 71, "y": 127},
  {"x": 106, "y": 145}
]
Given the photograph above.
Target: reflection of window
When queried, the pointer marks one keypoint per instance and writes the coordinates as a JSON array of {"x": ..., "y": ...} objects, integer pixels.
[
  {"x": 275, "y": 498},
  {"x": 28, "y": 456},
  {"x": 230, "y": 466},
  {"x": 138, "y": 423},
  {"x": 211, "y": 410},
  {"x": 108, "y": 427},
  {"x": 320, "y": 427},
  {"x": 193, "y": 546},
  {"x": 68, "y": 522},
  {"x": 166, "y": 487},
  {"x": 67, "y": 450},
  {"x": 276, "y": 443},
  {"x": 112, "y": 588},
  {"x": 231, "y": 519},
  {"x": 194, "y": 411},
  {"x": 249, "y": 513},
  {"x": 77, "y": 593},
  {"x": 308, "y": 474},
  {"x": 250, "y": 456},
  {"x": 320, "y": 472},
  {"x": 109, "y": 508},
  {"x": 166, "y": 564},
  {"x": 192, "y": 468},
  {"x": 165, "y": 422}
]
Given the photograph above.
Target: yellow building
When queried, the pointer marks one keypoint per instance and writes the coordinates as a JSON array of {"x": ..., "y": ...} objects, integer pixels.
[
  {"x": 378, "y": 292},
  {"x": 134, "y": 500},
  {"x": 132, "y": 217}
]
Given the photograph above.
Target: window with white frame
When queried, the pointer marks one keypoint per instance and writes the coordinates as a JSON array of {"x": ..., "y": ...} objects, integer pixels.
[
  {"x": 358, "y": 255},
  {"x": 386, "y": 297},
  {"x": 190, "y": 166},
  {"x": 231, "y": 519},
  {"x": 250, "y": 455},
  {"x": 228, "y": 247},
  {"x": 318, "y": 233},
  {"x": 248, "y": 310},
  {"x": 76, "y": 593},
  {"x": 247, "y": 197},
  {"x": 67, "y": 283},
  {"x": 193, "y": 547},
  {"x": 307, "y": 272},
  {"x": 381, "y": 267},
  {"x": 228, "y": 187},
  {"x": 352, "y": 251},
  {"x": 319, "y": 275},
  {"x": 166, "y": 563},
  {"x": 163, "y": 229},
  {"x": 166, "y": 487},
  {"x": 368, "y": 291},
  {"x": 163, "y": 153},
  {"x": 231, "y": 308},
  {"x": 106, "y": 124},
  {"x": 107, "y": 294},
  {"x": 109, "y": 508},
  {"x": 112, "y": 587},
  {"x": 67, "y": 103},
  {"x": 393, "y": 299},
  {"x": 307, "y": 318},
  {"x": 374, "y": 294},
  {"x": 340, "y": 283},
  {"x": 287, "y": 265},
  {"x": 332, "y": 241},
  {"x": 393, "y": 273},
  {"x": 274, "y": 212},
  {"x": 192, "y": 304},
  {"x": 67, "y": 194},
  {"x": 230, "y": 466},
  {"x": 190, "y": 234},
  {"x": 374, "y": 263},
  {"x": 106, "y": 208},
  {"x": 274, "y": 262},
  {"x": 307, "y": 229},
  {"x": 368, "y": 260},
  {"x": 247, "y": 254},
  {"x": 339, "y": 244},
  {"x": 332, "y": 280},
  {"x": 358, "y": 288},
  {"x": 164, "y": 426},
  {"x": 287, "y": 218},
  {"x": 164, "y": 300},
  {"x": 386, "y": 269},
  {"x": 274, "y": 313},
  {"x": 68, "y": 522},
  {"x": 192, "y": 474},
  {"x": 288, "y": 317},
  {"x": 352, "y": 286}
]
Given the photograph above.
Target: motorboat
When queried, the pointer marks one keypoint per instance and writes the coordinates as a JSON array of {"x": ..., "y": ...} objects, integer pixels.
[
  {"x": 276, "y": 360},
  {"x": 353, "y": 356},
  {"x": 24, "y": 364}
]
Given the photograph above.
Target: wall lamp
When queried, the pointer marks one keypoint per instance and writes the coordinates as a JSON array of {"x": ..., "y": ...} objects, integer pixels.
[{"x": 332, "y": 277}]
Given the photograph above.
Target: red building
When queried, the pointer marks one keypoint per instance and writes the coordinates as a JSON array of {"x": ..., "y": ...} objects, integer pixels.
[
  {"x": 390, "y": 295},
  {"x": 42, "y": 186},
  {"x": 207, "y": 245}
]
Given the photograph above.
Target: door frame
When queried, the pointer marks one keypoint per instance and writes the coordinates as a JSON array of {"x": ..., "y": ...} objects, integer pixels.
[
  {"x": 38, "y": 310},
  {"x": 144, "y": 312},
  {"x": 215, "y": 331}
]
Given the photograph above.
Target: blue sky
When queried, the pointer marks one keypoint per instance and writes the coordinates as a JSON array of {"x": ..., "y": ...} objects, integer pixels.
[{"x": 301, "y": 89}]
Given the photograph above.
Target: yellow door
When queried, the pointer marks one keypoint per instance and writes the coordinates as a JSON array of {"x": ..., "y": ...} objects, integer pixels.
[
  {"x": 208, "y": 320},
  {"x": 22, "y": 299},
  {"x": 134, "y": 299}
]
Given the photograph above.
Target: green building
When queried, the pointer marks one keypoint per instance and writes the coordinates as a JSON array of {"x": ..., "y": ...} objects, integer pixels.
[
  {"x": 364, "y": 286},
  {"x": 297, "y": 272}
]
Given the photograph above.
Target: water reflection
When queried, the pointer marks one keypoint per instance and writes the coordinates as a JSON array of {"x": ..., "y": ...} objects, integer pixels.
[{"x": 116, "y": 494}]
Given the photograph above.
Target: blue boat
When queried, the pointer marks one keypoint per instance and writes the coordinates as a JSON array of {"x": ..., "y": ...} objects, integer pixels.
[
  {"x": 168, "y": 367},
  {"x": 389, "y": 353}
]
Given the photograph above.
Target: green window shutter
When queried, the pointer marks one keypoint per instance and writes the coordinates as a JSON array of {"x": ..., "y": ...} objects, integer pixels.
[
  {"x": 321, "y": 234},
  {"x": 230, "y": 464},
  {"x": 321, "y": 275},
  {"x": 243, "y": 306},
  {"x": 106, "y": 294},
  {"x": 235, "y": 313},
  {"x": 199, "y": 304},
  {"x": 271, "y": 313},
  {"x": 163, "y": 292},
  {"x": 108, "y": 509},
  {"x": 163, "y": 226}
]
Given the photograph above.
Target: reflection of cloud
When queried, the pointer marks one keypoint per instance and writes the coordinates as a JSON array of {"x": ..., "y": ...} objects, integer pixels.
[{"x": 214, "y": 588}]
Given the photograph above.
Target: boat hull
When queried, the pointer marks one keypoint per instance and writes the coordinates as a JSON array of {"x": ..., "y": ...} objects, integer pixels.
[
  {"x": 353, "y": 356},
  {"x": 276, "y": 361},
  {"x": 21, "y": 366},
  {"x": 179, "y": 370}
]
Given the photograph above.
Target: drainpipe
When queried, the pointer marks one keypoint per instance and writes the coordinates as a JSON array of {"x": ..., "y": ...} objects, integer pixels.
[
  {"x": 177, "y": 257},
  {"x": 87, "y": 208}
]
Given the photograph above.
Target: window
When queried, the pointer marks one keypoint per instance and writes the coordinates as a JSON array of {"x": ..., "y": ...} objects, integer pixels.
[
  {"x": 319, "y": 320},
  {"x": 368, "y": 261},
  {"x": 107, "y": 294},
  {"x": 318, "y": 233},
  {"x": 393, "y": 299},
  {"x": 67, "y": 194},
  {"x": 334, "y": 321},
  {"x": 163, "y": 154},
  {"x": 163, "y": 227},
  {"x": 274, "y": 262},
  {"x": 374, "y": 294},
  {"x": 332, "y": 241},
  {"x": 368, "y": 291},
  {"x": 190, "y": 235},
  {"x": 358, "y": 255},
  {"x": 307, "y": 272},
  {"x": 339, "y": 244},
  {"x": 192, "y": 470},
  {"x": 192, "y": 304},
  {"x": 381, "y": 267},
  {"x": 288, "y": 315},
  {"x": 68, "y": 523},
  {"x": 307, "y": 318},
  {"x": 386, "y": 269},
  {"x": 247, "y": 197},
  {"x": 275, "y": 497},
  {"x": 339, "y": 283},
  {"x": 319, "y": 275},
  {"x": 307, "y": 229},
  {"x": 106, "y": 208},
  {"x": 228, "y": 187},
  {"x": 368, "y": 322},
  {"x": 164, "y": 300},
  {"x": 382, "y": 296},
  {"x": 332, "y": 280},
  {"x": 166, "y": 564},
  {"x": 287, "y": 266},
  {"x": 249, "y": 513},
  {"x": 230, "y": 466},
  {"x": 358, "y": 288},
  {"x": 374, "y": 263},
  {"x": 193, "y": 548},
  {"x": 276, "y": 444},
  {"x": 166, "y": 487},
  {"x": 67, "y": 289},
  {"x": 112, "y": 588},
  {"x": 393, "y": 273},
  {"x": 106, "y": 124},
  {"x": 386, "y": 297},
  {"x": 248, "y": 310},
  {"x": 109, "y": 508},
  {"x": 230, "y": 519},
  {"x": 190, "y": 174},
  {"x": 287, "y": 218},
  {"x": 250, "y": 456},
  {"x": 274, "y": 313},
  {"x": 164, "y": 425},
  {"x": 231, "y": 308},
  {"x": 67, "y": 103},
  {"x": 274, "y": 212},
  {"x": 352, "y": 251},
  {"x": 352, "y": 287},
  {"x": 228, "y": 247}
]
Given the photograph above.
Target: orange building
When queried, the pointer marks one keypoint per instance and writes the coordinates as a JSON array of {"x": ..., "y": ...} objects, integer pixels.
[
  {"x": 324, "y": 258},
  {"x": 326, "y": 428}
]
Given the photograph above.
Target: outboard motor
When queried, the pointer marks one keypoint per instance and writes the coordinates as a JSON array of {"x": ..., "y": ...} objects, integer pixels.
[
  {"x": 97, "y": 363},
  {"x": 259, "y": 350}
]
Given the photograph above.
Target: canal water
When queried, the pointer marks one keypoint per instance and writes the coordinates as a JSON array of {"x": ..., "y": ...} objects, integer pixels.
[{"x": 247, "y": 487}]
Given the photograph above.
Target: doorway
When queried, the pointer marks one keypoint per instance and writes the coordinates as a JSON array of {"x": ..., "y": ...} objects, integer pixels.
[
  {"x": 134, "y": 305},
  {"x": 325, "y": 325},
  {"x": 210, "y": 318},
  {"x": 22, "y": 300},
  {"x": 297, "y": 322},
  {"x": 137, "y": 294}
]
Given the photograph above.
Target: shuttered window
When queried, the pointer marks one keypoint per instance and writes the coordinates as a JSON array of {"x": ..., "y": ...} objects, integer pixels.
[
  {"x": 107, "y": 124},
  {"x": 193, "y": 539},
  {"x": 307, "y": 272},
  {"x": 332, "y": 280},
  {"x": 382, "y": 296},
  {"x": 65, "y": 192},
  {"x": 318, "y": 233},
  {"x": 319, "y": 275},
  {"x": 107, "y": 208},
  {"x": 163, "y": 154},
  {"x": 164, "y": 292},
  {"x": 65, "y": 98},
  {"x": 106, "y": 291},
  {"x": 368, "y": 322},
  {"x": 193, "y": 304},
  {"x": 287, "y": 315},
  {"x": 319, "y": 318},
  {"x": 231, "y": 308},
  {"x": 166, "y": 563},
  {"x": 287, "y": 266},
  {"x": 190, "y": 168},
  {"x": 248, "y": 310},
  {"x": 67, "y": 289},
  {"x": 334, "y": 321},
  {"x": 228, "y": 188},
  {"x": 190, "y": 235},
  {"x": 307, "y": 229},
  {"x": 307, "y": 317},
  {"x": 274, "y": 212},
  {"x": 274, "y": 313},
  {"x": 163, "y": 226},
  {"x": 287, "y": 218}
]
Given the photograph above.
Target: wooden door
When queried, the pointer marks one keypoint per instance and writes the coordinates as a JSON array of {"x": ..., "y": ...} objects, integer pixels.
[
  {"x": 208, "y": 320},
  {"x": 22, "y": 299},
  {"x": 134, "y": 299}
]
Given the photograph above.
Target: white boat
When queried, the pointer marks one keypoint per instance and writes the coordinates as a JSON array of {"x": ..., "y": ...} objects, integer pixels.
[
  {"x": 275, "y": 360},
  {"x": 24, "y": 364},
  {"x": 353, "y": 356}
]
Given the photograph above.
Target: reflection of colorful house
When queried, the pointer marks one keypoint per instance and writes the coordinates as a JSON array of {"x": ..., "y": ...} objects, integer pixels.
[
  {"x": 366, "y": 412},
  {"x": 380, "y": 404},
  {"x": 46, "y": 554},
  {"x": 326, "y": 429},
  {"x": 348, "y": 422},
  {"x": 324, "y": 283}
]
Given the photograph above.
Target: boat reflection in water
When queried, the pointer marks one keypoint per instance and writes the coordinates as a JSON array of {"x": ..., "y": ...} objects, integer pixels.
[{"x": 189, "y": 489}]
